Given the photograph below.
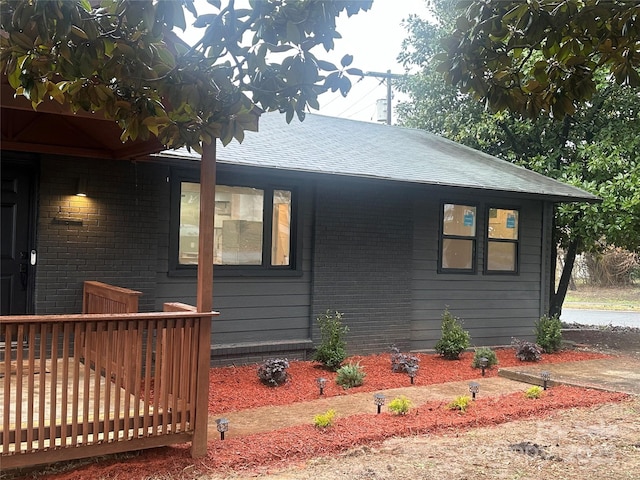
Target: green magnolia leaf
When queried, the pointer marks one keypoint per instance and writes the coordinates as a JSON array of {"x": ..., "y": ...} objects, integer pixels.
[
  {"x": 278, "y": 48},
  {"x": 293, "y": 33},
  {"x": 326, "y": 66},
  {"x": 148, "y": 16},
  {"x": 205, "y": 20},
  {"x": 177, "y": 15},
  {"x": 238, "y": 134},
  {"x": 345, "y": 86},
  {"x": 346, "y": 60},
  {"x": 166, "y": 57},
  {"x": 289, "y": 115},
  {"x": 313, "y": 103}
]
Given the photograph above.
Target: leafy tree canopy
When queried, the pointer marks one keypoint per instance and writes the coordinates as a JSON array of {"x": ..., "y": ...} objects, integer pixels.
[
  {"x": 541, "y": 57},
  {"x": 122, "y": 59}
]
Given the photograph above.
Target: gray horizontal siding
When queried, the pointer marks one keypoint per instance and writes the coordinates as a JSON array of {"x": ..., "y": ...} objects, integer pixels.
[{"x": 493, "y": 307}]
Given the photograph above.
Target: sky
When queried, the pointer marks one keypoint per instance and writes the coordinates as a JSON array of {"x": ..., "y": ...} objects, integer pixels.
[{"x": 374, "y": 39}]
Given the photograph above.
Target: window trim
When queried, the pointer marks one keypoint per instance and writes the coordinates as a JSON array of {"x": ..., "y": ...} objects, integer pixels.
[
  {"x": 488, "y": 240},
  {"x": 268, "y": 185},
  {"x": 441, "y": 237}
]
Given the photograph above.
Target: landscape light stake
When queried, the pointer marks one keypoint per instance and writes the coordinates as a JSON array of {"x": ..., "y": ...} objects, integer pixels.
[
  {"x": 546, "y": 376},
  {"x": 484, "y": 362},
  {"x": 378, "y": 399},
  {"x": 322, "y": 382},
  {"x": 412, "y": 372},
  {"x": 474, "y": 388},
  {"x": 222, "y": 424}
]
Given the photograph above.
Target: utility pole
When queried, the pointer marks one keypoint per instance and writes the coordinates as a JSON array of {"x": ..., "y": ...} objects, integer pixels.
[{"x": 385, "y": 76}]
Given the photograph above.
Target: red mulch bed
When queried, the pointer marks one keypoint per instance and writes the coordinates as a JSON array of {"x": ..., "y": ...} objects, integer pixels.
[{"x": 237, "y": 388}]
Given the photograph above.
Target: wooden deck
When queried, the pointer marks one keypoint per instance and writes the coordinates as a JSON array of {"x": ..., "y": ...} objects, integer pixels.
[
  {"x": 121, "y": 405},
  {"x": 90, "y": 384}
]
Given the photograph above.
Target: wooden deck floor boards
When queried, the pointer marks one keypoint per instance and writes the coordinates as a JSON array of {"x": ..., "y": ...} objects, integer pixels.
[{"x": 84, "y": 411}]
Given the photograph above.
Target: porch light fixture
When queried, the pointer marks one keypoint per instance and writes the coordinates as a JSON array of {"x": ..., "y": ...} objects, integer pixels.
[
  {"x": 322, "y": 382},
  {"x": 546, "y": 376},
  {"x": 81, "y": 187},
  {"x": 484, "y": 362},
  {"x": 474, "y": 388},
  {"x": 222, "y": 425},
  {"x": 412, "y": 372},
  {"x": 378, "y": 399}
]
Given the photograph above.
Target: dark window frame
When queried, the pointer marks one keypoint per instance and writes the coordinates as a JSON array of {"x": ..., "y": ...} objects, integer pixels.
[
  {"x": 266, "y": 184},
  {"x": 488, "y": 240},
  {"x": 441, "y": 237}
]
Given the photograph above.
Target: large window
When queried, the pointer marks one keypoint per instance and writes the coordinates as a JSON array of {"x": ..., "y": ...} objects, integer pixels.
[
  {"x": 502, "y": 241},
  {"x": 458, "y": 238},
  {"x": 252, "y": 229}
]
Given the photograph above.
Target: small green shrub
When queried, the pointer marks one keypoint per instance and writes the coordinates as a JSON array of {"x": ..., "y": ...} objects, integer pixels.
[
  {"x": 403, "y": 362},
  {"x": 487, "y": 353},
  {"x": 533, "y": 392},
  {"x": 324, "y": 420},
  {"x": 460, "y": 403},
  {"x": 454, "y": 338},
  {"x": 350, "y": 375},
  {"x": 331, "y": 352},
  {"x": 273, "y": 371},
  {"x": 400, "y": 405},
  {"x": 527, "y": 351},
  {"x": 549, "y": 333}
]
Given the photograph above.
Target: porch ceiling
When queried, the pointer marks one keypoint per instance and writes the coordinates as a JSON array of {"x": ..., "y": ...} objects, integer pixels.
[{"x": 55, "y": 129}]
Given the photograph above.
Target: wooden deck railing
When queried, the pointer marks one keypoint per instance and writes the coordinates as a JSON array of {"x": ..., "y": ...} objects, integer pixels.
[
  {"x": 75, "y": 386},
  {"x": 98, "y": 297}
]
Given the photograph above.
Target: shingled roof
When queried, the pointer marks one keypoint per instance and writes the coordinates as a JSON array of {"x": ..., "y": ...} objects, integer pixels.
[{"x": 337, "y": 146}]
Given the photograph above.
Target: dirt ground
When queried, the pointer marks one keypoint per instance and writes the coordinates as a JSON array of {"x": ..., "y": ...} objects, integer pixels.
[
  {"x": 616, "y": 340},
  {"x": 599, "y": 442}
]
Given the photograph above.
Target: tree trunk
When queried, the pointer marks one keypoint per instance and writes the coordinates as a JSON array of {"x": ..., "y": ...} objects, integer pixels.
[{"x": 557, "y": 298}]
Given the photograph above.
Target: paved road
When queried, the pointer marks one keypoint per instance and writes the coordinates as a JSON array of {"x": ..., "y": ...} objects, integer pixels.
[{"x": 601, "y": 317}]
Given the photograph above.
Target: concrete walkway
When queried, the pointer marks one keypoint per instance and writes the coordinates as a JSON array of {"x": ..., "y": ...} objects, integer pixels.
[
  {"x": 621, "y": 374},
  {"x": 618, "y": 374}
]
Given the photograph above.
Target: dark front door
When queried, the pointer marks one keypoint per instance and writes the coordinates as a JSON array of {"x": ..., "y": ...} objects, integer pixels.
[{"x": 17, "y": 223}]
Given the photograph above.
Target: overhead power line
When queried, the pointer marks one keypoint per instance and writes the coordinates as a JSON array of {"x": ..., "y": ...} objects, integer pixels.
[{"x": 362, "y": 97}]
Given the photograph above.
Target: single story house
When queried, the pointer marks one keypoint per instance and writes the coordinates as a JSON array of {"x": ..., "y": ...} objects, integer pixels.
[{"x": 388, "y": 225}]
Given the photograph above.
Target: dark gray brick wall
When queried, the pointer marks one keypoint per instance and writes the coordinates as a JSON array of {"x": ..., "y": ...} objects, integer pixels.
[
  {"x": 112, "y": 236},
  {"x": 362, "y": 262}
]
